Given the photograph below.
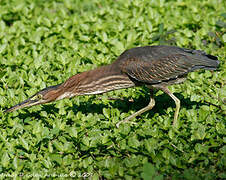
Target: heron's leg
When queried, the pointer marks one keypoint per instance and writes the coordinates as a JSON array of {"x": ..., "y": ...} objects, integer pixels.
[
  {"x": 177, "y": 102},
  {"x": 148, "y": 107}
]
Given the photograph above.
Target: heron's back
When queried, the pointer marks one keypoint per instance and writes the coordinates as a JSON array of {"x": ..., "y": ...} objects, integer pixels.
[{"x": 154, "y": 64}]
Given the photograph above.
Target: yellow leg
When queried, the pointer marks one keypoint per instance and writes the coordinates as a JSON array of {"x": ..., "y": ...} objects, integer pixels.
[
  {"x": 177, "y": 102},
  {"x": 148, "y": 107}
]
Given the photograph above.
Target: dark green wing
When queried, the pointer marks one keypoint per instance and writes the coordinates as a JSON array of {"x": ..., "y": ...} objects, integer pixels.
[{"x": 156, "y": 71}]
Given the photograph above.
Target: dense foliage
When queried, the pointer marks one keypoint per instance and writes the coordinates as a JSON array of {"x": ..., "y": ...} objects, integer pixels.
[{"x": 42, "y": 43}]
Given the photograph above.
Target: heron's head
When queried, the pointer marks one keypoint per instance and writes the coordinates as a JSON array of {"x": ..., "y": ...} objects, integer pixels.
[{"x": 46, "y": 95}]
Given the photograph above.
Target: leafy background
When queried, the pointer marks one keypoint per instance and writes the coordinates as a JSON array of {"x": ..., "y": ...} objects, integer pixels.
[{"x": 43, "y": 43}]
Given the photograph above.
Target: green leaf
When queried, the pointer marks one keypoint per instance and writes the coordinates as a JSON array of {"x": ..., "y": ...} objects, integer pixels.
[
  {"x": 2, "y": 47},
  {"x": 58, "y": 146},
  {"x": 2, "y": 73},
  {"x": 73, "y": 132},
  {"x": 56, "y": 157},
  {"x": 223, "y": 15},
  {"x": 166, "y": 153},
  {"x": 220, "y": 127},
  {"x": 46, "y": 163},
  {"x": 149, "y": 171},
  {"x": 200, "y": 133},
  {"x": 24, "y": 143},
  {"x": 106, "y": 112},
  {"x": 15, "y": 163},
  {"x": 224, "y": 38},
  {"x": 5, "y": 159},
  {"x": 133, "y": 142}
]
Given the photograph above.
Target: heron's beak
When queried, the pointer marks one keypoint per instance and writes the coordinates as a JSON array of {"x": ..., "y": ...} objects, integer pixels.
[
  {"x": 39, "y": 98},
  {"x": 27, "y": 103}
]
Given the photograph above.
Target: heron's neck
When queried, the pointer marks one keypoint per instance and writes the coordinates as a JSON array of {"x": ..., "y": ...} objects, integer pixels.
[{"x": 99, "y": 80}]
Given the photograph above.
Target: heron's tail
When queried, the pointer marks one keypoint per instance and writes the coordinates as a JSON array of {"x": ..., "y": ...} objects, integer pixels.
[{"x": 204, "y": 61}]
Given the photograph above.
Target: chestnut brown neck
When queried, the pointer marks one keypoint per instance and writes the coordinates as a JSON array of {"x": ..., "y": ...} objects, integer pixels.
[{"x": 99, "y": 80}]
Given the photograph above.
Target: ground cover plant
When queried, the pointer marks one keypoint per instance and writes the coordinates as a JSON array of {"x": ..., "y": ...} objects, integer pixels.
[{"x": 42, "y": 43}]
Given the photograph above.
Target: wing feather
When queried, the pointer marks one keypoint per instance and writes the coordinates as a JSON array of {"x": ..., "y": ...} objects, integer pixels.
[{"x": 156, "y": 71}]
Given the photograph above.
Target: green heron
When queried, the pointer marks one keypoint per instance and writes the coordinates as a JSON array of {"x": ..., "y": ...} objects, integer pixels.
[{"x": 154, "y": 66}]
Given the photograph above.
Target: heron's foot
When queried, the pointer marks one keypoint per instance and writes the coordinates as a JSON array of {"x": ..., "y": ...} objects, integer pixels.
[
  {"x": 148, "y": 107},
  {"x": 127, "y": 120},
  {"x": 175, "y": 122}
]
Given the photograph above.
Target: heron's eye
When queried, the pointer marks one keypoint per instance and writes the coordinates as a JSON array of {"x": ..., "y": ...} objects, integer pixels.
[{"x": 39, "y": 96}]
